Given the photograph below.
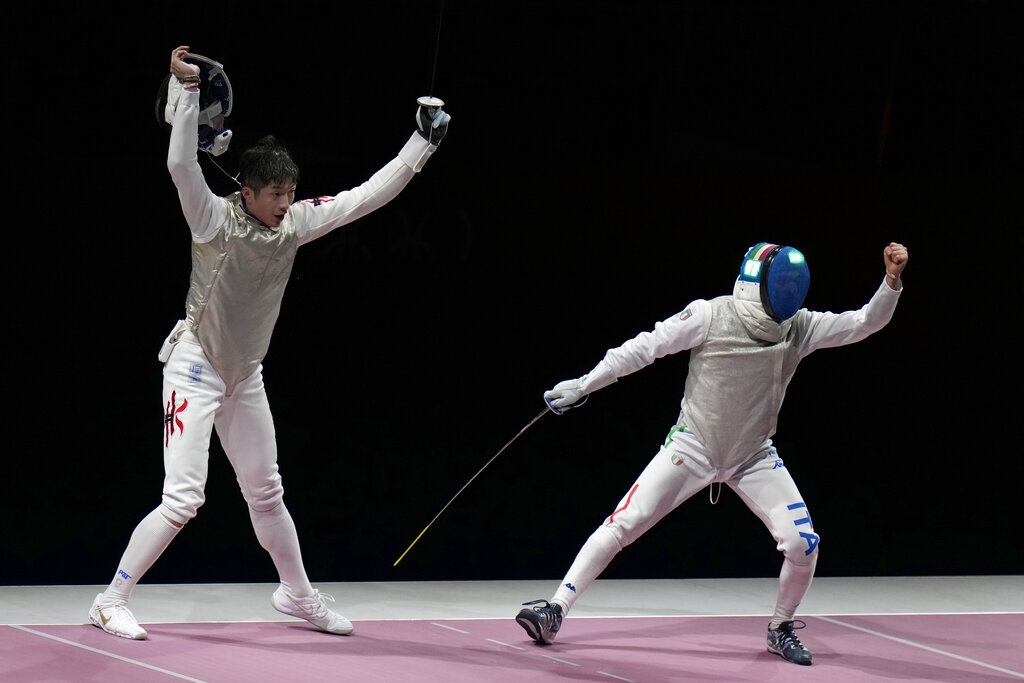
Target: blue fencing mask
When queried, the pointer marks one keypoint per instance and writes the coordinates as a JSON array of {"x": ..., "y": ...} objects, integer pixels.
[{"x": 782, "y": 276}]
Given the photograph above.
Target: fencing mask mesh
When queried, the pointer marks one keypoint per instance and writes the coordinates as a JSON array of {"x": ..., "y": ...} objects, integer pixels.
[{"x": 782, "y": 276}]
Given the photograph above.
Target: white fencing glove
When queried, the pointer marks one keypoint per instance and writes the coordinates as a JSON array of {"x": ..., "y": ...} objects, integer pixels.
[
  {"x": 572, "y": 393},
  {"x": 565, "y": 395},
  {"x": 431, "y": 120}
]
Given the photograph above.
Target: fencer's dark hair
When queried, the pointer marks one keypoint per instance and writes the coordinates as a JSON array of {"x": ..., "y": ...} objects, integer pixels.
[{"x": 265, "y": 163}]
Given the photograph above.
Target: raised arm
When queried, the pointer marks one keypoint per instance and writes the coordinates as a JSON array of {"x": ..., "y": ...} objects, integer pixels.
[
  {"x": 827, "y": 330},
  {"x": 315, "y": 218},
  {"x": 202, "y": 208}
]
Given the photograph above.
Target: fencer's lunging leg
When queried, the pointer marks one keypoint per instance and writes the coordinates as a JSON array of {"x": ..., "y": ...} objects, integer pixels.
[{"x": 677, "y": 471}]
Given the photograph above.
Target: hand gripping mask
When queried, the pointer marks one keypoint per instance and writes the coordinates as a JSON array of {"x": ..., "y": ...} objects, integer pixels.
[
  {"x": 782, "y": 276},
  {"x": 214, "y": 103}
]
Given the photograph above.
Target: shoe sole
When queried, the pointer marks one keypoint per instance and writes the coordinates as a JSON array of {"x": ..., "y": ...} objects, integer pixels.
[
  {"x": 345, "y": 631},
  {"x": 97, "y": 624},
  {"x": 779, "y": 653},
  {"x": 532, "y": 630}
]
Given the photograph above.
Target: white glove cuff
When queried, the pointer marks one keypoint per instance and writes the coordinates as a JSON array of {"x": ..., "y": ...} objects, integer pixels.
[
  {"x": 416, "y": 152},
  {"x": 598, "y": 378}
]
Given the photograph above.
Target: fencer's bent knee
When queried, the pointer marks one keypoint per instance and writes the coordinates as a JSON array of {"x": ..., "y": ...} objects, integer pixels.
[
  {"x": 182, "y": 500},
  {"x": 793, "y": 530},
  {"x": 265, "y": 497},
  {"x": 609, "y": 538},
  {"x": 616, "y": 534},
  {"x": 178, "y": 512},
  {"x": 800, "y": 546}
]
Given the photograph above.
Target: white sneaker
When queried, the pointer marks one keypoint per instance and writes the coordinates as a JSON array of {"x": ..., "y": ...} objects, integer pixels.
[
  {"x": 113, "y": 616},
  {"x": 313, "y": 610}
]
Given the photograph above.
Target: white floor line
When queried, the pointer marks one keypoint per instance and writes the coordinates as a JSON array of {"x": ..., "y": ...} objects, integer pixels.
[
  {"x": 450, "y": 628},
  {"x": 920, "y": 646},
  {"x": 498, "y": 642},
  {"x": 618, "y": 678},
  {"x": 109, "y": 654},
  {"x": 560, "y": 661}
]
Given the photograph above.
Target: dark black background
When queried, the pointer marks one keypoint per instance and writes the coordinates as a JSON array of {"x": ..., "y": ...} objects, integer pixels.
[{"x": 607, "y": 162}]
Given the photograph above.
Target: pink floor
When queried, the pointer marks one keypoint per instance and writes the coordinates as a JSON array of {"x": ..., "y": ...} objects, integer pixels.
[{"x": 905, "y": 648}]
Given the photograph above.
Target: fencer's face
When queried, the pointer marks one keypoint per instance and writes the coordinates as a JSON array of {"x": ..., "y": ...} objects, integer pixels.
[{"x": 270, "y": 204}]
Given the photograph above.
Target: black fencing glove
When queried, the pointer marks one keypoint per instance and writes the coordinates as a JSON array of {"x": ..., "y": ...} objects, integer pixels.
[{"x": 431, "y": 120}]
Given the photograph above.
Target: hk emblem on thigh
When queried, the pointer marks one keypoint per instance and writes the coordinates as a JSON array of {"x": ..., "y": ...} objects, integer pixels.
[{"x": 172, "y": 417}]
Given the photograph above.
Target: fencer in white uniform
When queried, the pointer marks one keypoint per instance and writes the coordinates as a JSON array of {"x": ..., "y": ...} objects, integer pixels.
[
  {"x": 744, "y": 349},
  {"x": 243, "y": 249}
]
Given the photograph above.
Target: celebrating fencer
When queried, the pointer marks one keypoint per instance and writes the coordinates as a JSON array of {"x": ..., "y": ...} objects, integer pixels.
[
  {"x": 744, "y": 349},
  {"x": 243, "y": 249}
]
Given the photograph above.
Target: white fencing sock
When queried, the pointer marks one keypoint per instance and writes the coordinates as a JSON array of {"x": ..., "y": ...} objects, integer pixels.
[
  {"x": 276, "y": 532},
  {"x": 590, "y": 561},
  {"x": 149, "y": 540},
  {"x": 794, "y": 580}
]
